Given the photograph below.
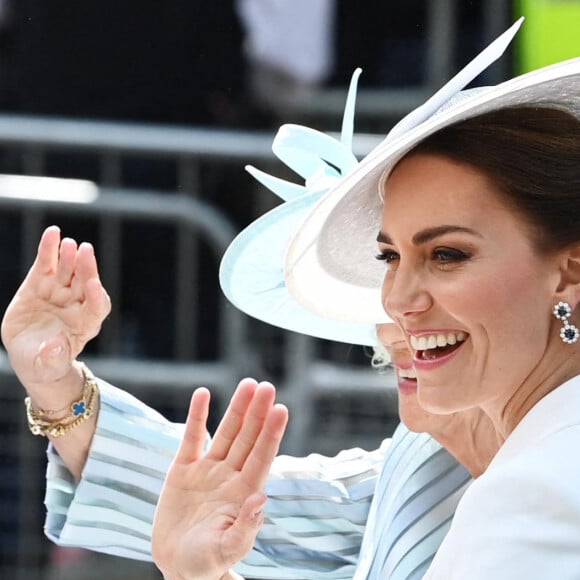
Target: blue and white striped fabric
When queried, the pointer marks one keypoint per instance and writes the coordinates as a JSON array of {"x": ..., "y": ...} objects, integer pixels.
[
  {"x": 316, "y": 514},
  {"x": 414, "y": 503}
]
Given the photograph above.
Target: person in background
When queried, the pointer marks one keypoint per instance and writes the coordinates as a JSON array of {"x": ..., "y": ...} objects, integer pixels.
[{"x": 289, "y": 47}]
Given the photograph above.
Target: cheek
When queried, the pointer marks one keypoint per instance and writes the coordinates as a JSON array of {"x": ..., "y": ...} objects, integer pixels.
[
  {"x": 510, "y": 308},
  {"x": 386, "y": 287}
]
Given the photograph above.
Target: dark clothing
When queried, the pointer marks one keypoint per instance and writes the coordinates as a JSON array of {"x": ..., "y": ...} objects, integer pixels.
[{"x": 173, "y": 61}]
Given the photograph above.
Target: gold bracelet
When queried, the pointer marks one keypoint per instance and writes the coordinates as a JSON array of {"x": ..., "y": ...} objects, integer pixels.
[{"x": 39, "y": 421}]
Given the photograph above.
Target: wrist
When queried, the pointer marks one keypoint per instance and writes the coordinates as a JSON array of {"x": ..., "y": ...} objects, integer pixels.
[
  {"x": 58, "y": 394},
  {"x": 57, "y": 423}
]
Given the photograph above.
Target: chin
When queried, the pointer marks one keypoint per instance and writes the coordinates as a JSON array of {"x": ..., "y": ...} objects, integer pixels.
[
  {"x": 414, "y": 419},
  {"x": 438, "y": 401},
  {"x": 437, "y": 407}
]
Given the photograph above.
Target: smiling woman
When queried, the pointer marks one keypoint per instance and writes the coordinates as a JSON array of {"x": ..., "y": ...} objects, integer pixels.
[
  {"x": 477, "y": 209},
  {"x": 455, "y": 268},
  {"x": 492, "y": 200}
]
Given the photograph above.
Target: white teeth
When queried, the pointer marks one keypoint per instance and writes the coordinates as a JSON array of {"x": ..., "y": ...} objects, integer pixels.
[
  {"x": 419, "y": 343},
  {"x": 430, "y": 341},
  {"x": 407, "y": 373}
]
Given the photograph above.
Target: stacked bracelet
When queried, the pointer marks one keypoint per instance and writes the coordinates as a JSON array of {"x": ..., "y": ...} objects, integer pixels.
[{"x": 40, "y": 422}]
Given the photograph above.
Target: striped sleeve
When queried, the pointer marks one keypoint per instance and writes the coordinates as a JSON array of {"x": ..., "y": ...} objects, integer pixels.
[
  {"x": 314, "y": 518},
  {"x": 111, "y": 508}
]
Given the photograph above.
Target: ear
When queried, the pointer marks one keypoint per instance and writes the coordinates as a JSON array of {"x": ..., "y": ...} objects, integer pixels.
[{"x": 568, "y": 288}]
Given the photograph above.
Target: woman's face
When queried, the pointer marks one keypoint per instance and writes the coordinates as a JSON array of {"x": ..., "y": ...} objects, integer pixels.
[{"x": 465, "y": 284}]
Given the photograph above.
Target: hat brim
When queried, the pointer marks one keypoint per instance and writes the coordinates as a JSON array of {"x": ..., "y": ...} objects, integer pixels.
[
  {"x": 330, "y": 266},
  {"x": 252, "y": 277}
]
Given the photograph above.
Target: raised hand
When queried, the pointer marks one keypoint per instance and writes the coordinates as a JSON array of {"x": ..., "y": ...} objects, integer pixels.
[
  {"x": 210, "y": 508},
  {"x": 58, "y": 308}
]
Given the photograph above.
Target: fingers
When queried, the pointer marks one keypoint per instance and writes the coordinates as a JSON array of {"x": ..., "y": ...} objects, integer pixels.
[
  {"x": 86, "y": 262},
  {"x": 75, "y": 267},
  {"x": 87, "y": 284},
  {"x": 67, "y": 259},
  {"x": 250, "y": 433},
  {"x": 47, "y": 255},
  {"x": 233, "y": 418},
  {"x": 258, "y": 410},
  {"x": 257, "y": 465},
  {"x": 64, "y": 258},
  {"x": 194, "y": 438},
  {"x": 86, "y": 287},
  {"x": 70, "y": 265},
  {"x": 97, "y": 303}
]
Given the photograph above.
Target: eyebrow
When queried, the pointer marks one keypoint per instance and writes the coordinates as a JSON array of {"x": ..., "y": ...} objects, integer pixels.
[{"x": 429, "y": 234}]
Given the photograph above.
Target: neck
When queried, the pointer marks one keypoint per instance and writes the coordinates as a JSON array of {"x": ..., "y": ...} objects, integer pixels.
[
  {"x": 472, "y": 439},
  {"x": 506, "y": 415}
]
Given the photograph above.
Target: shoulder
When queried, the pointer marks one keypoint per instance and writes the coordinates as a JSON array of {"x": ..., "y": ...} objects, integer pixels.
[
  {"x": 522, "y": 517},
  {"x": 542, "y": 479}
]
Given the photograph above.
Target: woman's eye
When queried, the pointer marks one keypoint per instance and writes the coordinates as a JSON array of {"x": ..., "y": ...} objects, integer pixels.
[
  {"x": 387, "y": 256},
  {"x": 449, "y": 255}
]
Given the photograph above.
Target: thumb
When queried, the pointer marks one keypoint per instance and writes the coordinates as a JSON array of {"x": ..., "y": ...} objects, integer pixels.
[
  {"x": 54, "y": 357},
  {"x": 240, "y": 537}
]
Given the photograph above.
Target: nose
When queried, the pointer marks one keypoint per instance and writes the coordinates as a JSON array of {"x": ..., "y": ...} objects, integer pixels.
[
  {"x": 390, "y": 334},
  {"x": 405, "y": 293}
]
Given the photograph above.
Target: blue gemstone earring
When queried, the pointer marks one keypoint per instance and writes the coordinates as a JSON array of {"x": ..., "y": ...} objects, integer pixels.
[{"x": 568, "y": 333}]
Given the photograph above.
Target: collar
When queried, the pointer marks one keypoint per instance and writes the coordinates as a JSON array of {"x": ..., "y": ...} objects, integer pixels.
[{"x": 556, "y": 411}]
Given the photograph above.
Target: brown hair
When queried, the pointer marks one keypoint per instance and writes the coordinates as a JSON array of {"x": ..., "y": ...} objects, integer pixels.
[{"x": 532, "y": 154}]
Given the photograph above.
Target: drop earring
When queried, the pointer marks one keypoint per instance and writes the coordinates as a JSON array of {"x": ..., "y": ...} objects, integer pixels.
[{"x": 568, "y": 333}]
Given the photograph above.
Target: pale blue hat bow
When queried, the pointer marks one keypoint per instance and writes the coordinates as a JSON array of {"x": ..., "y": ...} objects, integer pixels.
[{"x": 251, "y": 270}]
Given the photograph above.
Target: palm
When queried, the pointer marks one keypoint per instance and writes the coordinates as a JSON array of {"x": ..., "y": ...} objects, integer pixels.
[
  {"x": 202, "y": 501},
  {"x": 58, "y": 308},
  {"x": 206, "y": 519}
]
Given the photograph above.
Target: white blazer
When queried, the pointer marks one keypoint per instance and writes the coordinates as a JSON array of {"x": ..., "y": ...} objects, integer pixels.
[{"x": 521, "y": 518}]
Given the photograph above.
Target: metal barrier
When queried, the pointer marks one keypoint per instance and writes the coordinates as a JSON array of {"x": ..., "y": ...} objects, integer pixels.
[
  {"x": 192, "y": 218},
  {"x": 32, "y": 138}
]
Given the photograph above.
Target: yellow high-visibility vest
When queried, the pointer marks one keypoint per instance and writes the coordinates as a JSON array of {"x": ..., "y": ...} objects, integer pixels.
[{"x": 550, "y": 32}]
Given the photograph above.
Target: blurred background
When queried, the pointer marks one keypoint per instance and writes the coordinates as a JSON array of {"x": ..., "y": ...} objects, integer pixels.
[{"x": 128, "y": 124}]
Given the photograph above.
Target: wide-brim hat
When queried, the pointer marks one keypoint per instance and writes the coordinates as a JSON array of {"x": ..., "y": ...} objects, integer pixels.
[
  {"x": 330, "y": 267},
  {"x": 252, "y": 278},
  {"x": 252, "y": 269}
]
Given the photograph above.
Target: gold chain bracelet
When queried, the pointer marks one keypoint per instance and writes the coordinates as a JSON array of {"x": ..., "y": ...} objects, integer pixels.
[{"x": 39, "y": 421}]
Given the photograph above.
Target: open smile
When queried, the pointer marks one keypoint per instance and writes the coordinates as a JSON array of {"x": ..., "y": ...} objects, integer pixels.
[
  {"x": 433, "y": 350},
  {"x": 407, "y": 380}
]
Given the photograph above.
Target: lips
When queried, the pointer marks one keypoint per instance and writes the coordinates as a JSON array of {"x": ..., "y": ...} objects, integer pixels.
[
  {"x": 407, "y": 380},
  {"x": 406, "y": 372}
]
